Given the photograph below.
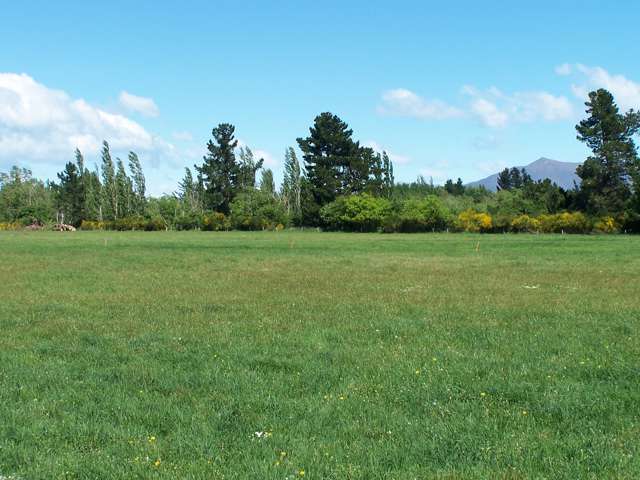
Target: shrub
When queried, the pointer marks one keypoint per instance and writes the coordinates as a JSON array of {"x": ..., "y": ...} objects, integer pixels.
[
  {"x": 256, "y": 210},
  {"x": 189, "y": 221},
  {"x": 356, "y": 213},
  {"x": 472, "y": 221},
  {"x": 420, "y": 215},
  {"x": 155, "y": 224},
  {"x": 525, "y": 223},
  {"x": 606, "y": 225},
  {"x": 565, "y": 222},
  {"x": 92, "y": 225},
  {"x": 502, "y": 222},
  {"x": 10, "y": 226},
  {"x": 630, "y": 222},
  {"x": 215, "y": 222}
]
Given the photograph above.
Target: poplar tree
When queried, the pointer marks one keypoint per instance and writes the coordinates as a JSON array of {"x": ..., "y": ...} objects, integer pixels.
[
  {"x": 124, "y": 189},
  {"x": 292, "y": 183},
  {"x": 109, "y": 197},
  {"x": 267, "y": 184},
  {"x": 247, "y": 168},
  {"x": 139, "y": 184}
]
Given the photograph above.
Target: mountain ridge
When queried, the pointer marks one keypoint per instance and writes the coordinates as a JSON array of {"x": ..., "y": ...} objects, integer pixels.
[{"x": 561, "y": 173}]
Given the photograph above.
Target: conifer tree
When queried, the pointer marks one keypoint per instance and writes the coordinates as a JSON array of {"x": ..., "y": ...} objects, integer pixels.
[
  {"x": 220, "y": 171},
  {"x": 607, "y": 174}
]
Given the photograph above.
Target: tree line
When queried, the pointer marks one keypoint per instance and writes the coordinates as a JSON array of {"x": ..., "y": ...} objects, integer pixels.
[{"x": 339, "y": 184}]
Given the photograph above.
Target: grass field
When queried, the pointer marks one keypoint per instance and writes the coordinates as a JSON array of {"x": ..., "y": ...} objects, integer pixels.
[{"x": 317, "y": 355}]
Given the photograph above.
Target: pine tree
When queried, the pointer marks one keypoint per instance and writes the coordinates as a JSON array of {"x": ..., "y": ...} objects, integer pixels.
[
  {"x": 606, "y": 175},
  {"x": 333, "y": 161},
  {"x": 220, "y": 170},
  {"x": 504, "y": 180},
  {"x": 71, "y": 198}
]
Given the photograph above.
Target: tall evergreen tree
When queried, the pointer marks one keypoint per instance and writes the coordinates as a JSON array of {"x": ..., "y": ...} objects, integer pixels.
[
  {"x": 220, "y": 170},
  {"x": 607, "y": 175},
  {"x": 334, "y": 163},
  {"x": 504, "y": 180},
  {"x": 70, "y": 195}
]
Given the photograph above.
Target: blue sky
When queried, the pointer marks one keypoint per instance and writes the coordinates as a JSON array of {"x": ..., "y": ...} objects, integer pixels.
[{"x": 448, "y": 88}]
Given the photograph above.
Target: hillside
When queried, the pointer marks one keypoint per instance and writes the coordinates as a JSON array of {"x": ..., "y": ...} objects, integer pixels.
[{"x": 562, "y": 173}]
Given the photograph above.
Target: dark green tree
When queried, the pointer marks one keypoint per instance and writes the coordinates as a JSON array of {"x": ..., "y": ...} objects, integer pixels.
[
  {"x": 504, "y": 180},
  {"x": 71, "y": 195},
  {"x": 456, "y": 188},
  {"x": 220, "y": 170},
  {"x": 607, "y": 176},
  {"x": 330, "y": 158}
]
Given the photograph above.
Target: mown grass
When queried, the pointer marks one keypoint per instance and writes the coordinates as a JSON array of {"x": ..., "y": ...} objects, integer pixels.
[{"x": 160, "y": 355}]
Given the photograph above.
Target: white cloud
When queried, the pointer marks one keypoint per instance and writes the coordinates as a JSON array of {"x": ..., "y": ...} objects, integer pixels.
[
  {"x": 269, "y": 160},
  {"x": 488, "y": 113},
  {"x": 38, "y": 123},
  {"x": 625, "y": 91},
  {"x": 438, "y": 172},
  {"x": 143, "y": 105},
  {"x": 563, "y": 70},
  {"x": 488, "y": 142},
  {"x": 497, "y": 109},
  {"x": 394, "y": 157},
  {"x": 405, "y": 103},
  {"x": 182, "y": 136}
]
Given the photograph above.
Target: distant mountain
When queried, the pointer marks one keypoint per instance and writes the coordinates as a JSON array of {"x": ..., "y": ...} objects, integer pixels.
[{"x": 562, "y": 173}]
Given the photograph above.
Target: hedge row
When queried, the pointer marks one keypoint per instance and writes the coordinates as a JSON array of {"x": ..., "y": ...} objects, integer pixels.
[{"x": 365, "y": 213}]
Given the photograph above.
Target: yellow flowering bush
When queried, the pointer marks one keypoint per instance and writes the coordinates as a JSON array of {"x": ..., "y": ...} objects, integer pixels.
[
  {"x": 566, "y": 222},
  {"x": 9, "y": 226},
  {"x": 472, "y": 221},
  {"x": 606, "y": 225},
  {"x": 525, "y": 223},
  {"x": 92, "y": 225}
]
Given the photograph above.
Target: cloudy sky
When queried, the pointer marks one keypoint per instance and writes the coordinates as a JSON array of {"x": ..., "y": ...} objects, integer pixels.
[{"x": 448, "y": 89}]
